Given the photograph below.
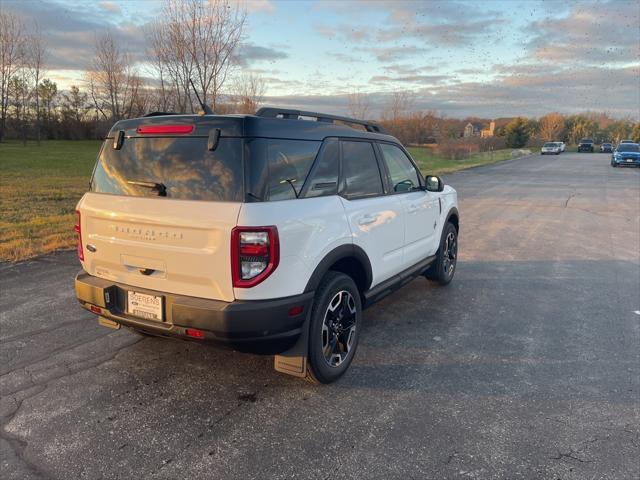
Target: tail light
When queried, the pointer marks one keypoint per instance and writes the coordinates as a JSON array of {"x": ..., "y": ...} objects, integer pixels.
[
  {"x": 164, "y": 129},
  {"x": 78, "y": 229},
  {"x": 255, "y": 253}
]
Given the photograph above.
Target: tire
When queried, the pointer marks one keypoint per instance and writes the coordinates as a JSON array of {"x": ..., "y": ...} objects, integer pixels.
[
  {"x": 444, "y": 267},
  {"x": 334, "y": 330}
]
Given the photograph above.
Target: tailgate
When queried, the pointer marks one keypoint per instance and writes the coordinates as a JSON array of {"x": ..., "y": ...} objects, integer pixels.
[{"x": 174, "y": 246}]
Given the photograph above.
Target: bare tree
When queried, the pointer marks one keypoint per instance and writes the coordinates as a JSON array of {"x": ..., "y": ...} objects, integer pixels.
[
  {"x": 551, "y": 126},
  {"x": 248, "y": 92},
  {"x": 358, "y": 105},
  {"x": 35, "y": 56},
  {"x": 400, "y": 105},
  {"x": 196, "y": 40},
  {"x": 12, "y": 49},
  {"x": 113, "y": 82}
]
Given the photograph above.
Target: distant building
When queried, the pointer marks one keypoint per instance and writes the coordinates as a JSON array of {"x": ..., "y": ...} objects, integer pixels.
[
  {"x": 477, "y": 129},
  {"x": 471, "y": 130},
  {"x": 488, "y": 132}
]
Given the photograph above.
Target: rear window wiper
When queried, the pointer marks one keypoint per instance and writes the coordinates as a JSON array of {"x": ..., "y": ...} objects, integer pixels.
[
  {"x": 158, "y": 187},
  {"x": 255, "y": 197}
]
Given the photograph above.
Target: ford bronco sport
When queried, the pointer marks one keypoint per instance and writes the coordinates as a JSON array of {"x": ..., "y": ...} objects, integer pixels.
[{"x": 267, "y": 232}]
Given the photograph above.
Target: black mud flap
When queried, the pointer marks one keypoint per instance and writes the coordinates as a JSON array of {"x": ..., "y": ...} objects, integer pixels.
[{"x": 294, "y": 361}]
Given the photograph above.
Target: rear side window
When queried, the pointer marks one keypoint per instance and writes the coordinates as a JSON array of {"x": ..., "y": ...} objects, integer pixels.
[
  {"x": 180, "y": 168},
  {"x": 404, "y": 177},
  {"x": 360, "y": 170},
  {"x": 279, "y": 168},
  {"x": 324, "y": 177}
]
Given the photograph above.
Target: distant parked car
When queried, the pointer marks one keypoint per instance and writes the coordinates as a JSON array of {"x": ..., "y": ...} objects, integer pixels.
[
  {"x": 606, "y": 148},
  {"x": 626, "y": 155},
  {"x": 551, "y": 147},
  {"x": 585, "y": 145}
]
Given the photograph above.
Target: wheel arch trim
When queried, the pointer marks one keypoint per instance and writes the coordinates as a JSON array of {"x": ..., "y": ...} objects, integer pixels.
[{"x": 339, "y": 253}]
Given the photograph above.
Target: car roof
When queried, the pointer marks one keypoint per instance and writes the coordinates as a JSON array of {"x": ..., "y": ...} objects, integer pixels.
[{"x": 252, "y": 126}]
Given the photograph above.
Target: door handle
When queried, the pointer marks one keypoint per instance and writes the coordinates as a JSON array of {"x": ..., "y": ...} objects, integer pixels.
[{"x": 367, "y": 219}]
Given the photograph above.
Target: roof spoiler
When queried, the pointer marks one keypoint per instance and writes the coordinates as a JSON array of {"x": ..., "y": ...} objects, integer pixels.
[{"x": 272, "y": 112}]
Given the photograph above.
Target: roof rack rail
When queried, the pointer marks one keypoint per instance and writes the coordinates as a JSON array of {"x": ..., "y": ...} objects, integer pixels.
[
  {"x": 271, "y": 112},
  {"x": 157, "y": 114}
]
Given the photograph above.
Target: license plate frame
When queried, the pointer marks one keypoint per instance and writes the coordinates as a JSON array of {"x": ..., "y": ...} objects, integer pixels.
[{"x": 146, "y": 306}]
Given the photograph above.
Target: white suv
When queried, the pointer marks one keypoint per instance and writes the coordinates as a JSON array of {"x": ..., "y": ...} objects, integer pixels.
[{"x": 268, "y": 232}]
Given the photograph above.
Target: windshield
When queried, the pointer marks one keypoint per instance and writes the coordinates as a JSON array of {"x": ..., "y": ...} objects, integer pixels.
[
  {"x": 179, "y": 168},
  {"x": 628, "y": 147},
  {"x": 550, "y": 144}
]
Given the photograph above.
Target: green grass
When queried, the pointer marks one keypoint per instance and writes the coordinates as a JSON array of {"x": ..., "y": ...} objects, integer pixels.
[
  {"x": 40, "y": 186},
  {"x": 39, "y": 189},
  {"x": 431, "y": 163}
]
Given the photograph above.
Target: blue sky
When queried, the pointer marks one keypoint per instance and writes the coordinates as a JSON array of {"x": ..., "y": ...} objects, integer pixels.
[{"x": 487, "y": 58}]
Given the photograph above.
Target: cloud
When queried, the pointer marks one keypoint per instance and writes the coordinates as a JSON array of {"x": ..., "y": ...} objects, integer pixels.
[
  {"x": 437, "y": 22},
  {"x": 250, "y": 53},
  {"x": 392, "y": 54},
  {"x": 352, "y": 33},
  {"x": 572, "y": 91},
  {"x": 588, "y": 36},
  {"x": 109, "y": 7},
  {"x": 416, "y": 79},
  {"x": 70, "y": 34},
  {"x": 257, "y": 6}
]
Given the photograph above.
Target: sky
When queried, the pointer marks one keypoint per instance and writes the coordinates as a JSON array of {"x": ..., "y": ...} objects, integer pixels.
[{"x": 458, "y": 58}]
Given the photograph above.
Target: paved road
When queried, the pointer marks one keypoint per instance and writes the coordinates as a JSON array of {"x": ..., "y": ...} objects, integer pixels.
[{"x": 526, "y": 366}]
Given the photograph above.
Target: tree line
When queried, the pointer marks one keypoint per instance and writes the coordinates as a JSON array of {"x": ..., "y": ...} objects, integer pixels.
[
  {"x": 198, "y": 41},
  {"x": 192, "y": 42},
  {"x": 402, "y": 120}
]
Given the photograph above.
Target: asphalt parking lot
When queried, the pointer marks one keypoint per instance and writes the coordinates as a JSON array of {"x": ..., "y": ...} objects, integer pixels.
[{"x": 526, "y": 366}]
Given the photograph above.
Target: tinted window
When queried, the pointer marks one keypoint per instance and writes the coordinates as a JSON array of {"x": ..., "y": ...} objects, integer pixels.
[
  {"x": 184, "y": 166},
  {"x": 360, "y": 170},
  {"x": 324, "y": 177},
  {"x": 278, "y": 168},
  {"x": 404, "y": 177}
]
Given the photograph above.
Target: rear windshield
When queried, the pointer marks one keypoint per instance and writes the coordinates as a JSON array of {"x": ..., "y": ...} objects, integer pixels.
[
  {"x": 182, "y": 167},
  {"x": 628, "y": 147},
  {"x": 550, "y": 144}
]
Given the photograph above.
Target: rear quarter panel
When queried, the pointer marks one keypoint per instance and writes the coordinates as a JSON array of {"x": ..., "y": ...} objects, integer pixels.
[{"x": 308, "y": 229}]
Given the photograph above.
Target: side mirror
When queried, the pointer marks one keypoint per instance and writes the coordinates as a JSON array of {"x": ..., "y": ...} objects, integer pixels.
[{"x": 433, "y": 183}]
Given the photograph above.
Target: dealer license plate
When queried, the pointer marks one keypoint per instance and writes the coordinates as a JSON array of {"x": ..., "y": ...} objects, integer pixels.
[{"x": 144, "y": 306}]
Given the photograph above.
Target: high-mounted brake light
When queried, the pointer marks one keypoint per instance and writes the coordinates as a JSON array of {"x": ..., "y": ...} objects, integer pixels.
[
  {"x": 255, "y": 253},
  {"x": 78, "y": 229},
  {"x": 164, "y": 129}
]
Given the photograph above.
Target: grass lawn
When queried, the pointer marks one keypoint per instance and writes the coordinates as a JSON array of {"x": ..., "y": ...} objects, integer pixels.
[
  {"x": 434, "y": 164},
  {"x": 39, "y": 189},
  {"x": 40, "y": 186}
]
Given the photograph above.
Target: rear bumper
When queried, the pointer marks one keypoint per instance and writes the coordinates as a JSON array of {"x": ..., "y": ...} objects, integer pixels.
[
  {"x": 635, "y": 162},
  {"x": 262, "y": 326}
]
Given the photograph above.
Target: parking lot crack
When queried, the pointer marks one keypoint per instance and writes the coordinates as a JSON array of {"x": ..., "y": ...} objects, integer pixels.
[
  {"x": 17, "y": 444},
  {"x": 566, "y": 203}
]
